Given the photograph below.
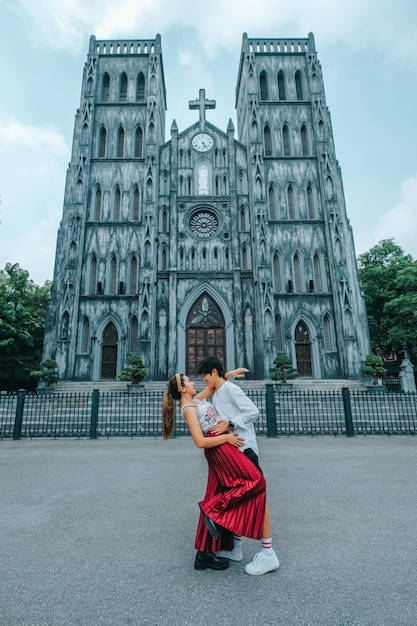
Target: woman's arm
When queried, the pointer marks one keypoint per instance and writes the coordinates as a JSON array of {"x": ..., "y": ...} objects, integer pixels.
[{"x": 190, "y": 415}]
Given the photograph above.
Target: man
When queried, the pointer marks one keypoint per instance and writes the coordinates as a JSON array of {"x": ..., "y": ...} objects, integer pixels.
[{"x": 237, "y": 412}]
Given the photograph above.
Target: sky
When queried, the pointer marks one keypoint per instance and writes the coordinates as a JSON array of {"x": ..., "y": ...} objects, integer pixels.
[{"x": 368, "y": 54}]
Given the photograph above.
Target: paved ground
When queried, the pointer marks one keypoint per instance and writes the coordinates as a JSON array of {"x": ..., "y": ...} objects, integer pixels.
[{"x": 101, "y": 533}]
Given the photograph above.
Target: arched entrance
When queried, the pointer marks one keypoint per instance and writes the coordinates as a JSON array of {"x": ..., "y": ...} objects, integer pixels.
[
  {"x": 205, "y": 333},
  {"x": 108, "y": 368},
  {"x": 303, "y": 350}
]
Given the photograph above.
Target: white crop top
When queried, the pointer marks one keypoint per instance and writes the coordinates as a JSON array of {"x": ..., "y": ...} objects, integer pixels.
[{"x": 206, "y": 414}]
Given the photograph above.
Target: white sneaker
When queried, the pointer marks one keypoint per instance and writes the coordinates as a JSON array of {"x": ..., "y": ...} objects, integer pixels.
[
  {"x": 262, "y": 563},
  {"x": 233, "y": 555}
]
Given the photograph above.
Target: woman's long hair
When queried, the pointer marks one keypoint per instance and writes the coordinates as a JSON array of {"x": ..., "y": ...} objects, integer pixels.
[{"x": 168, "y": 405}]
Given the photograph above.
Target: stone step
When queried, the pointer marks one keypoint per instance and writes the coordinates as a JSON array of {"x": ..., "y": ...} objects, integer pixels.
[{"x": 299, "y": 384}]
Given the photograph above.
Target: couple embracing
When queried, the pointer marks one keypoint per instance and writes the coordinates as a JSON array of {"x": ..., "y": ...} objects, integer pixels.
[{"x": 234, "y": 504}]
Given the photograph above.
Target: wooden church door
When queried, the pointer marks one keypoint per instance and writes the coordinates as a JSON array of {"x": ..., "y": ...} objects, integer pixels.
[
  {"x": 109, "y": 352},
  {"x": 303, "y": 350},
  {"x": 205, "y": 334}
]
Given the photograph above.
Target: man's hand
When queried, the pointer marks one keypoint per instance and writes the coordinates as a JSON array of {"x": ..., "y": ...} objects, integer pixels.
[{"x": 221, "y": 427}]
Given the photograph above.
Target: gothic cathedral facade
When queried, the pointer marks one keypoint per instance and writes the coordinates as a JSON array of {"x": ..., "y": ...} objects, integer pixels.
[{"x": 205, "y": 244}]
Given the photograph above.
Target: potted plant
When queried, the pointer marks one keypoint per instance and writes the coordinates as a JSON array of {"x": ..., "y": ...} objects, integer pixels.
[
  {"x": 47, "y": 373},
  {"x": 374, "y": 366},
  {"x": 134, "y": 370},
  {"x": 282, "y": 369}
]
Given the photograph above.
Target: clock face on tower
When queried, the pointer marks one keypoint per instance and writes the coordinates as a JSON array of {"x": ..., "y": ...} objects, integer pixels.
[{"x": 202, "y": 142}]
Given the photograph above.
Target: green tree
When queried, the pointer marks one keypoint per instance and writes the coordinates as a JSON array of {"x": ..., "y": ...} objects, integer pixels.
[
  {"x": 135, "y": 370},
  {"x": 22, "y": 323},
  {"x": 389, "y": 280},
  {"x": 283, "y": 369}
]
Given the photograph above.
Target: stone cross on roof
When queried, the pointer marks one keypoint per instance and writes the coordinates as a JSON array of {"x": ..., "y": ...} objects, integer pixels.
[{"x": 202, "y": 104}]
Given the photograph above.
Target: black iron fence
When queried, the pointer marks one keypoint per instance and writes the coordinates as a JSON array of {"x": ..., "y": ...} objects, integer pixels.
[{"x": 138, "y": 414}]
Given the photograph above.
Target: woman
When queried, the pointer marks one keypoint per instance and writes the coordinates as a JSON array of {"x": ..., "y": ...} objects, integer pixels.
[{"x": 234, "y": 502}]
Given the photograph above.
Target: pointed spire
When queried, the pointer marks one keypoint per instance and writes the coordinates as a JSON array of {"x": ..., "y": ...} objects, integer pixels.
[
  {"x": 174, "y": 127},
  {"x": 230, "y": 126}
]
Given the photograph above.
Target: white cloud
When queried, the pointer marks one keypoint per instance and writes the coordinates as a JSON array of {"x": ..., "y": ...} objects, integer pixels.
[
  {"x": 32, "y": 173},
  {"x": 400, "y": 223},
  {"x": 362, "y": 24}
]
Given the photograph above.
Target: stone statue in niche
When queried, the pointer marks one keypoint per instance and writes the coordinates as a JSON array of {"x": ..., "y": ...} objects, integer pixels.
[{"x": 203, "y": 189}]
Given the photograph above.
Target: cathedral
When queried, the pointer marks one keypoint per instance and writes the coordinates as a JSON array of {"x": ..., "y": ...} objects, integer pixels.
[{"x": 226, "y": 242}]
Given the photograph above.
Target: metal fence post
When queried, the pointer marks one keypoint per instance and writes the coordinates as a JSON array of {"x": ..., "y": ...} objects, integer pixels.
[
  {"x": 94, "y": 414},
  {"x": 17, "y": 431},
  {"x": 271, "y": 415},
  {"x": 348, "y": 412}
]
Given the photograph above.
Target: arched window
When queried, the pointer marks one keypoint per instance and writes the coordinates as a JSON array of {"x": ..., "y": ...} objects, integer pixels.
[
  {"x": 297, "y": 273},
  {"x": 120, "y": 148},
  {"x": 85, "y": 335},
  {"x": 133, "y": 283},
  {"x": 105, "y": 87},
  {"x": 267, "y": 140},
  {"x": 281, "y": 86},
  {"x": 305, "y": 144},
  {"x": 123, "y": 87},
  {"x": 134, "y": 328},
  {"x": 290, "y": 202},
  {"x": 97, "y": 205},
  {"x": 243, "y": 219},
  {"x": 286, "y": 140},
  {"x": 102, "y": 136},
  {"x": 164, "y": 262},
  {"x": 298, "y": 85},
  {"x": 140, "y": 87},
  {"x": 271, "y": 203},
  {"x": 92, "y": 283},
  {"x": 318, "y": 283},
  {"x": 278, "y": 333},
  {"x": 113, "y": 275},
  {"x": 138, "y": 143},
  {"x": 310, "y": 202},
  {"x": 327, "y": 334},
  {"x": 136, "y": 205},
  {"x": 263, "y": 85},
  {"x": 65, "y": 326},
  {"x": 245, "y": 258},
  {"x": 117, "y": 203},
  {"x": 276, "y": 274},
  {"x": 164, "y": 221}
]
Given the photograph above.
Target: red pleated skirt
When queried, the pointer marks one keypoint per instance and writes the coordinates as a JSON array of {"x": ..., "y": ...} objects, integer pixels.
[{"x": 235, "y": 498}]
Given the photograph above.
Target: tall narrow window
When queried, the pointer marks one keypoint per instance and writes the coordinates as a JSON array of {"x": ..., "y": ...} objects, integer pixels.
[
  {"x": 242, "y": 219},
  {"x": 310, "y": 202},
  {"x": 117, "y": 197},
  {"x": 92, "y": 286},
  {"x": 140, "y": 87},
  {"x": 134, "y": 327},
  {"x": 267, "y": 140},
  {"x": 245, "y": 258},
  {"x": 113, "y": 275},
  {"x": 133, "y": 286},
  {"x": 271, "y": 203},
  {"x": 97, "y": 205},
  {"x": 136, "y": 205},
  {"x": 85, "y": 335},
  {"x": 278, "y": 334},
  {"x": 120, "y": 142},
  {"x": 318, "y": 283},
  {"x": 138, "y": 142},
  {"x": 164, "y": 262},
  {"x": 290, "y": 202},
  {"x": 305, "y": 147},
  {"x": 276, "y": 274},
  {"x": 105, "y": 87},
  {"x": 327, "y": 334},
  {"x": 263, "y": 85},
  {"x": 123, "y": 87},
  {"x": 297, "y": 273},
  {"x": 286, "y": 140},
  {"x": 102, "y": 142},
  {"x": 164, "y": 221},
  {"x": 298, "y": 85},
  {"x": 281, "y": 86}
]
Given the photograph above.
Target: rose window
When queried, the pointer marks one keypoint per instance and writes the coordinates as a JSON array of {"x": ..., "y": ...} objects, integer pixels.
[{"x": 204, "y": 224}]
